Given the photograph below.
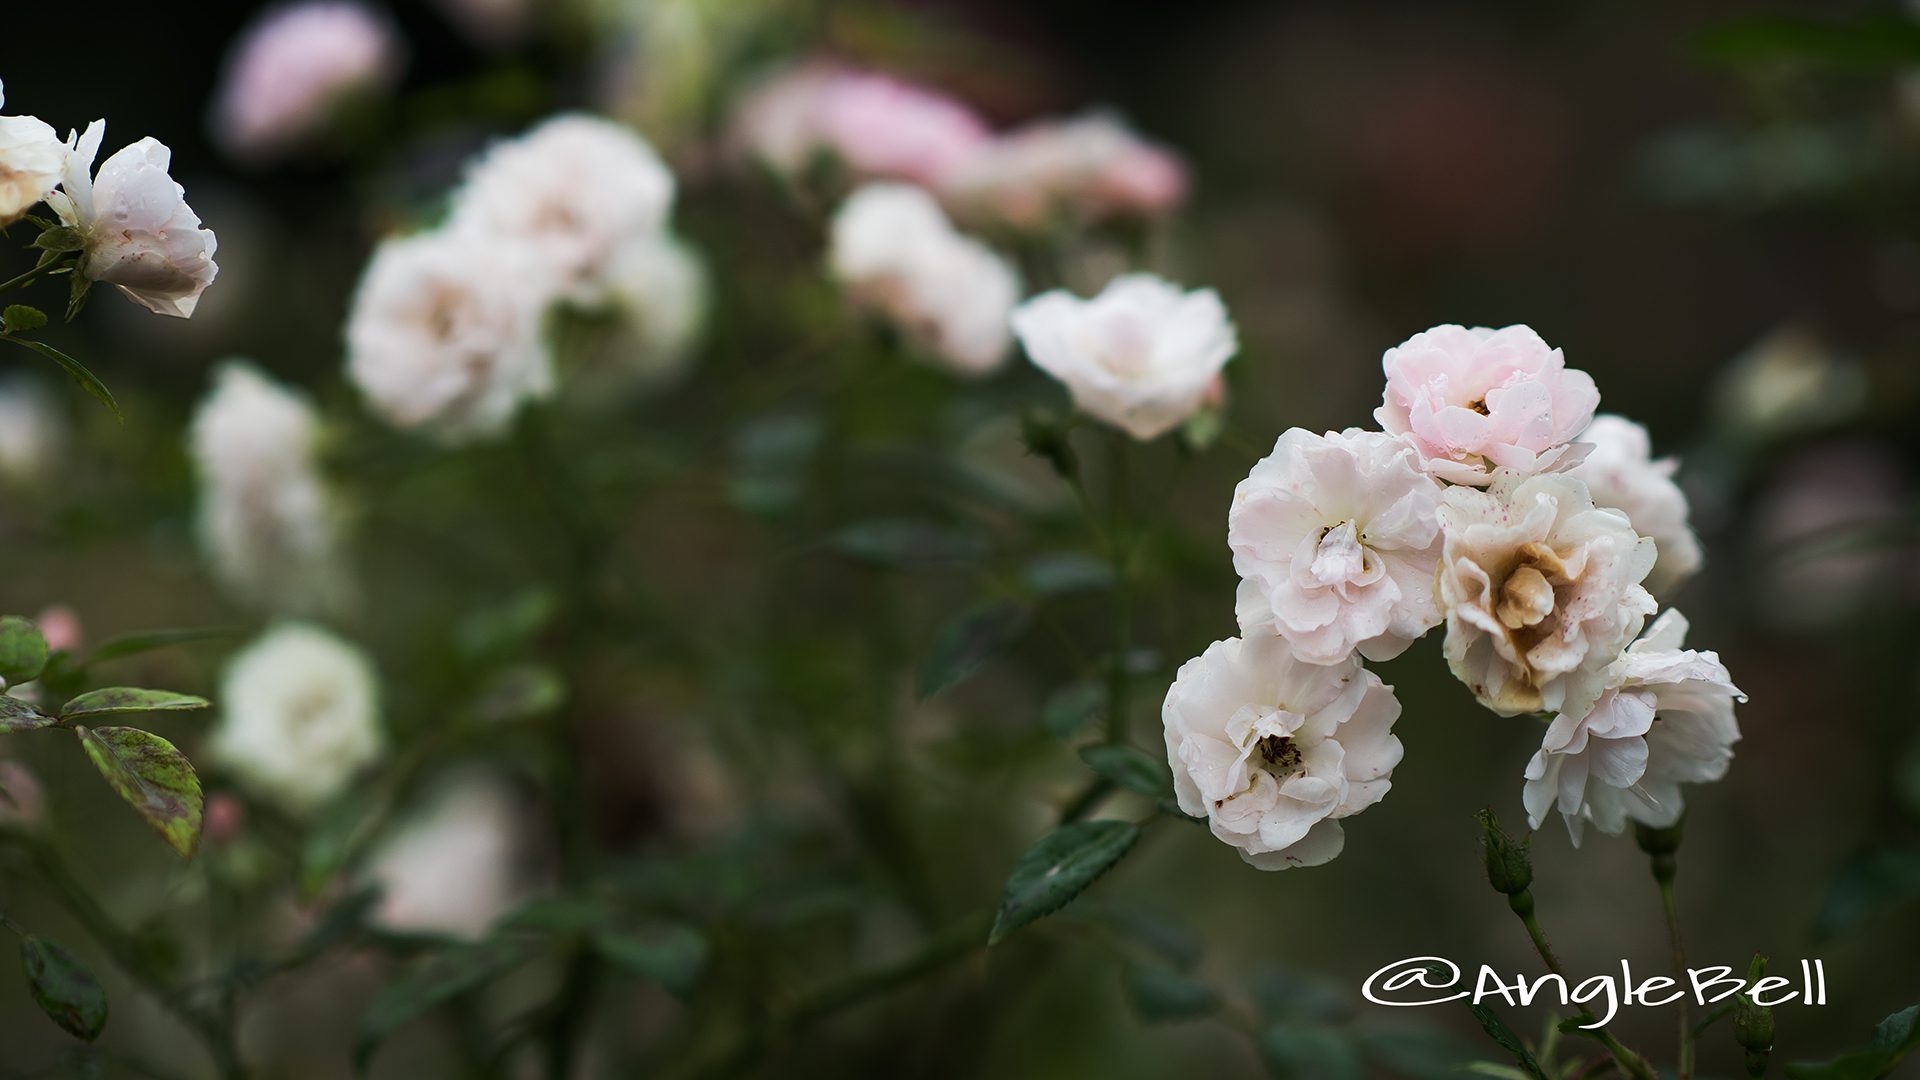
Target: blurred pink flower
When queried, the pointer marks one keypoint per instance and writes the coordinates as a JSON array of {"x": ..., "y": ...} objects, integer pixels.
[
  {"x": 876, "y": 126},
  {"x": 60, "y": 625},
  {"x": 1090, "y": 167},
  {"x": 293, "y": 65},
  {"x": 23, "y": 803},
  {"x": 225, "y": 818}
]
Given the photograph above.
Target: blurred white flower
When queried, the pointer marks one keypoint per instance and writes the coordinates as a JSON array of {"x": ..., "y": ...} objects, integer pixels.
[
  {"x": 32, "y": 161},
  {"x": 1088, "y": 167},
  {"x": 1336, "y": 538},
  {"x": 1789, "y": 381},
  {"x": 576, "y": 192},
  {"x": 875, "y": 126},
  {"x": 1665, "y": 719},
  {"x": 1541, "y": 590},
  {"x": 33, "y": 430},
  {"x": 300, "y": 717},
  {"x": 1142, "y": 355},
  {"x": 1621, "y": 473},
  {"x": 446, "y": 333},
  {"x": 293, "y": 66},
  {"x": 1274, "y": 751},
  {"x": 896, "y": 253},
  {"x": 658, "y": 292},
  {"x": 141, "y": 236},
  {"x": 1472, "y": 400},
  {"x": 458, "y": 866},
  {"x": 268, "y": 526}
]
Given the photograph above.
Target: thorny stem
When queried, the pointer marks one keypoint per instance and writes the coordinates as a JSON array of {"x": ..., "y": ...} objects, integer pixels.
[{"x": 1630, "y": 1063}]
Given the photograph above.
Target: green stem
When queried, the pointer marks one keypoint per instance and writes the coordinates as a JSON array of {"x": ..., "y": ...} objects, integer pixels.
[
  {"x": 1119, "y": 680},
  {"x": 1631, "y": 1063},
  {"x": 1672, "y": 911}
]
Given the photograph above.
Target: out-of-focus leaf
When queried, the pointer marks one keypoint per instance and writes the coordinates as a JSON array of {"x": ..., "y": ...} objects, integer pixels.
[
  {"x": 1129, "y": 767},
  {"x": 671, "y": 955},
  {"x": 1202, "y": 430},
  {"x": 1418, "y": 1053},
  {"x": 19, "y": 318},
  {"x": 1288, "y": 996},
  {"x": 773, "y": 456},
  {"x": 76, "y": 370},
  {"x": 967, "y": 642},
  {"x": 64, "y": 987},
  {"x": 560, "y": 915},
  {"x": 17, "y": 714},
  {"x": 125, "y": 699},
  {"x": 154, "y": 778},
  {"x": 1071, "y": 708},
  {"x": 1169, "y": 940},
  {"x": 148, "y": 640},
  {"x": 1302, "y": 1053},
  {"x": 1894, "y": 1039},
  {"x": 1869, "y": 883},
  {"x": 1059, "y": 868},
  {"x": 23, "y": 652},
  {"x": 1163, "y": 995},
  {"x": 523, "y": 692},
  {"x": 1059, "y": 572},
  {"x": 907, "y": 543},
  {"x": 1880, "y": 41},
  {"x": 504, "y": 629},
  {"x": 1498, "y": 1030},
  {"x": 431, "y": 984}
]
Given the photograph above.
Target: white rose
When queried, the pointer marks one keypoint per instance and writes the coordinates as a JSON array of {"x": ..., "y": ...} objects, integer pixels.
[
  {"x": 1274, "y": 751},
  {"x": 457, "y": 867},
  {"x": 575, "y": 192},
  {"x": 1665, "y": 719},
  {"x": 446, "y": 334},
  {"x": 32, "y": 161},
  {"x": 1541, "y": 590},
  {"x": 1335, "y": 538},
  {"x": 659, "y": 290},
  {"x": 1621, "y": 473},
  {"x": 141, "y": 236},
  {"x": 1141, "y": 356},
  {"x": 268, "y": 526},
  {"x": 300, "y": 717},
  {"x": 33, "y": 431},
  {"x": 895, "y": 252}
]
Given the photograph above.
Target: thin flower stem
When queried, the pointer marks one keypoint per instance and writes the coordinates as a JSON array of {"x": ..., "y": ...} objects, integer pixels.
[
  {"x": 1672, "y": 911},
  {"x": 1119, "y": 681},
  {"x": 1630, "y": 1062}
]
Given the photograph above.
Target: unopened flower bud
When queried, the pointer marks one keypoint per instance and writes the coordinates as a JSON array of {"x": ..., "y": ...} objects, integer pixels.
[
  {"x": 1753, "y": 1023},
  {"x": 1660, "y": 845},
  {"x": 1509, "y": 867}
]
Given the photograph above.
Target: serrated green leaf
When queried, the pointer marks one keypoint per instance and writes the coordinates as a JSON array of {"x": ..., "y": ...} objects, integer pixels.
[
  {"x": 431, "y": 984},
  {"x": 125, "y": 699},
  {"x": 1059, "y": 868},
  {"x": 23, "y": 652},
  {"x": 967, "y": 642},
  {"x": 1071, "y": 708},
  {"x": 18, "y": 715},
  {"x": 1498, "y": 1030},
  {"x": 75, "y": 370},
  {"x": 904, "y": 543},
  {"x": 154, "y": 778},
  {"x": 20, "y": 318},
  {"x": 64, "y": 987},
  {"x": 1299, "y": 1053},
  {"x": 671, "y": 955},
  {"x": 1162, "y": 995},
  {"x": 1129, "y": 767}
]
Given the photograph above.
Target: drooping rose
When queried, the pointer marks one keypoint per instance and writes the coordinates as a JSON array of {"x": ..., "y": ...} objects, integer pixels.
[
  {"x": 1142, "y": 355},
  {"x": 1540, "y": 589},
  {"x": 1274, "y": 752},
  {"x": 1473, "y": 400},
  {"x": 141, "y": 236},
  {"x": 1335, "y": 538}
]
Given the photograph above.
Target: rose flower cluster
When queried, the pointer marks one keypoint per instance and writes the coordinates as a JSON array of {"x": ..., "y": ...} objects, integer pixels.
[{"x": 1495, "y": 504}]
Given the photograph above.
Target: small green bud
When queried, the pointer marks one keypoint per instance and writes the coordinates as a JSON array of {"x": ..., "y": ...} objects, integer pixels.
[
  {"x": 1753, "y": 1023},
  {"x": 1509, "y": 868},
  {"x": 1660, "y": 846}
]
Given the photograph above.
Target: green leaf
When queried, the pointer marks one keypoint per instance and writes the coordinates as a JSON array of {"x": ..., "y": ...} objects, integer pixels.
[
  {"x": 77, "y": 371},
  {"x": 1498, "y": 1030},
  {"x": 77, "y": 294},
  {"x": 1072, "y": 708},
  {"x": 154, "y": 778},
  {"x": 1058, "y": 572},
  {"x": 23, "y": 652},
  {"x": 1130, "y": 767},
  {"x": 64, "y": 987},
  {"x": 1288, "y": 996},
  {"x": 1163, "y": 995},
  {"x": 148, "y": 640},
  {"x": 431, "y": 984},
  {"x": 671, "y": 955},
  {"x": 1893, "y": 1039},
  {"x": 19, "y": 318},
  {"x": 1420, "y": 1053},
  {"x": 559, "y": 915},
  {"x": 904, "y": 543},
  {"x": 1299, "y": 1053},
  {"x": 125, "y": 699},
  {"x": 60, "y": 239},
  {"x": 967, "y": 642},
  {"x": 1059, "y": 868},
  {"x": 1879, "y": 42},
  {"x": 18, "y": 715},
  {"x": 1868, "y": 883}
]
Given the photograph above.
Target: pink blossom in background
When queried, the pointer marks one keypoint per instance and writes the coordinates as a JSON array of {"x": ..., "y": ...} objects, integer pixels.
[
  {"x": 225, "y": 818},
  {"x": 876, "y": 126},
  {"x": 292, "y": 67},
  {"x": 1090, "y": 167},
  {"x": 60, "y": 626}
]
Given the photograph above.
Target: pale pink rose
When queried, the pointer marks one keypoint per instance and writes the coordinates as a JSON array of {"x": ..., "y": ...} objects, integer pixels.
[
  {"x": 1089, "y": 168},
  {"x": 293, "y": 66},
  {"x": 876, "y": 126},
  {"x": 1622, "y": 473},
  {"x": 1472, "y": 400}
]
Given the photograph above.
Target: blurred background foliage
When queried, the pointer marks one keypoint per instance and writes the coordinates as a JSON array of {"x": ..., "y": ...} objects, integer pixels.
[{"x": 1709, "y": 209}]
